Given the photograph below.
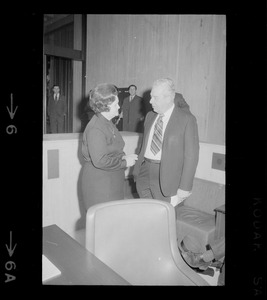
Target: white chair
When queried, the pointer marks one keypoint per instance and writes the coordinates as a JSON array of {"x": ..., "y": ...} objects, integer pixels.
[{"x": 137, "y": 239}]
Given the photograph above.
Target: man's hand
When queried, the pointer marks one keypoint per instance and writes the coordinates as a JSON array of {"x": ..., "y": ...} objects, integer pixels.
[
  {"x": 179, "y": 197},
  {"x": 175, "y": 200}
]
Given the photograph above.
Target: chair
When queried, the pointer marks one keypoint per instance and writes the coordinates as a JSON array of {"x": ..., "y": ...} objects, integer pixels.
[
  {"x": 202, "y": 214},
  {"x": 137, "y": 239}
]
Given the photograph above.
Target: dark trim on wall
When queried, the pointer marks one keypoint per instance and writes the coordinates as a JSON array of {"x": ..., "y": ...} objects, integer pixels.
[{"x": 63, "y": 52}]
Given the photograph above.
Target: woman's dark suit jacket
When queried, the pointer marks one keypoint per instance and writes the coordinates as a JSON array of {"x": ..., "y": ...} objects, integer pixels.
[
  {"x": 103, "y": 171},
  {"x": 180, "y": 151}
]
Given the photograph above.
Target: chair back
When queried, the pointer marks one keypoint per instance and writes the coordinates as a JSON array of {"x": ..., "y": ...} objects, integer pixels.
[
  {"x": 137, "y": 239},
  {"x": 206, "y": 196}
]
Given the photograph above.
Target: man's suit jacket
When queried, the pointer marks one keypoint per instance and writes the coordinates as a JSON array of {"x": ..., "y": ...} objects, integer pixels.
[
  {"x": 132, "y": 112},
  {"x": 57, "y": 108},
  {"x": 180, "y": 151}
]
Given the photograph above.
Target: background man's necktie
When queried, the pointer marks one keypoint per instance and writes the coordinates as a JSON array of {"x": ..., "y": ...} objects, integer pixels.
[{"x": 156, "y": 143}]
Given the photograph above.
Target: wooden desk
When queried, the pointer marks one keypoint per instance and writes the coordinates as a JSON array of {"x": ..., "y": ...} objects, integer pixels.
[{"x": 78, "y": 266}]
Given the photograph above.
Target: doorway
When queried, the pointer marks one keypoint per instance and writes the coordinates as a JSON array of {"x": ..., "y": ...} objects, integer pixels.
[{"x": 59, "y": 72}]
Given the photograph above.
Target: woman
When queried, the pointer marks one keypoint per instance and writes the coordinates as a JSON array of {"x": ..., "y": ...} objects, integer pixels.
[{"x": 102, "y": 149}]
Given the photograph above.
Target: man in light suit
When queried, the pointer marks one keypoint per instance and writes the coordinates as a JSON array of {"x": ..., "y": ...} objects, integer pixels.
[
  {"x": 57, "y": 109},
  {"x": 169, "y": 155},
  {"x": 133, "y": 111}
]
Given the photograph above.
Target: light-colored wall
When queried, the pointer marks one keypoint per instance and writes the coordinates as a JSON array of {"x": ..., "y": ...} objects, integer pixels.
[
  {"x": 61, "y": 196},
  {"x": 62, "y": 200},
  {"x": 138, "y": 49}
]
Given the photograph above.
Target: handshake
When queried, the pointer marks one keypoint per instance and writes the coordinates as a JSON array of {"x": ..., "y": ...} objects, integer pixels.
[{"x": 130, "y": 159}]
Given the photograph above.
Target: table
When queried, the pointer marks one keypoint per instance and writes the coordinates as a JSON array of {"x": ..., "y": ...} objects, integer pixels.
[{"x": 78, "y": 266}]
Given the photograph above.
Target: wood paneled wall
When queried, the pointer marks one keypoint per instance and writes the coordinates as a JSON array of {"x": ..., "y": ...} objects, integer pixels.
[{"x": 138, "y": 49}]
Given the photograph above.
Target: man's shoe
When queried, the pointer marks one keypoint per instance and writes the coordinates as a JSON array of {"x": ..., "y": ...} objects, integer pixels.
[
  {"x": 195, "y": 260},
  {"x": 209, "y": 272},
  {"x": 216, "y": 264}
]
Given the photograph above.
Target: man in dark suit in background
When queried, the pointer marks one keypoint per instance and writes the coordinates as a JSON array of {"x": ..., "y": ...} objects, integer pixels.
[
  {"x": 169, "y": 155},
  {"x": 57, "y": 108},
  {"x": 180, "y": 102},
  {"x": 133, "y": 113}
]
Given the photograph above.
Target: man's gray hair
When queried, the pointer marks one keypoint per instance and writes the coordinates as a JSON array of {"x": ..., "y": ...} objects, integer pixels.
[{"x": 167, "y": 83}]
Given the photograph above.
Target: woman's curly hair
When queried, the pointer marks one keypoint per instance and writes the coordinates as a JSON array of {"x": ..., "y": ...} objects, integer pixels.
[{"x": 102, "y": 96}]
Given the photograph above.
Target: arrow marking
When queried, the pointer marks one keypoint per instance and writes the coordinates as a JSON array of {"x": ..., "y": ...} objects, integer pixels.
[
  {"x": 10, "y": 249},
  {"x": 11, "y": 113}
]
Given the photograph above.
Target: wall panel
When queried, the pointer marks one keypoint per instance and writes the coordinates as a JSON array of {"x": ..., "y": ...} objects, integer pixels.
[
  {"x": 138, "y": 49},
  {"x": 77, "y": 75},
  {"x": 216, "y": 112},
  {"x": 193, "y": 73},
  {"x": 127, "y": 49}
]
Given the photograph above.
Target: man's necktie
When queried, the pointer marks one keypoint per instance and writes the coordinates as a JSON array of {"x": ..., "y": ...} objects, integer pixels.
[{"x": 156, "y": 143}]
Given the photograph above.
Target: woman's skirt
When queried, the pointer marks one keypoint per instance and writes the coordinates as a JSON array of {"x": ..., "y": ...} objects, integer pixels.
[{"x": 100, "y": 186}]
